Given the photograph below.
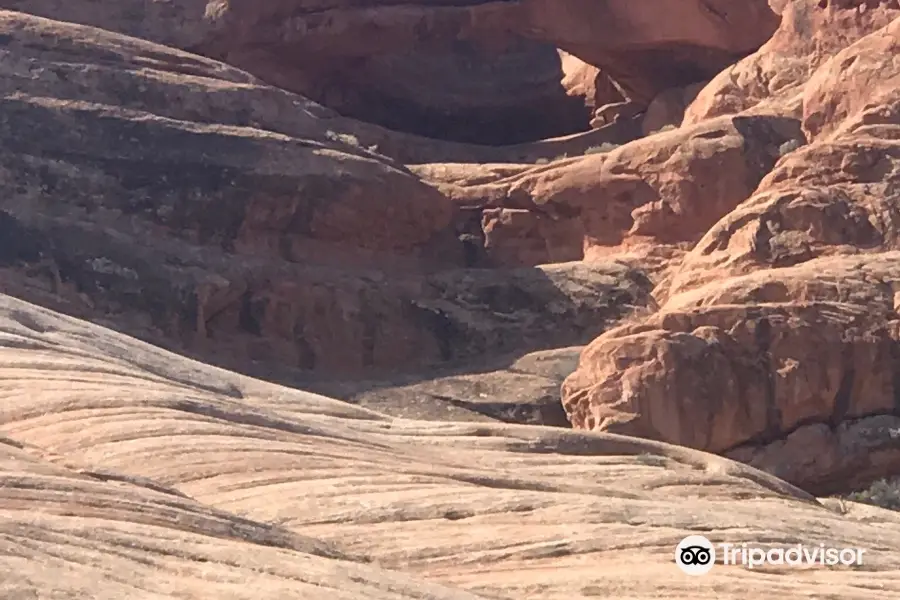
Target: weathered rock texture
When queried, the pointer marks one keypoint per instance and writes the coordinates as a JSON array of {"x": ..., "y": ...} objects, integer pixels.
[
  {"x": 739, "y": 271},
  {"x": 510, "y": 389},
  {"x": 667, "y": 109},
  {"x": 131, "y": 472},
  {"x": 587, "y": 81},
  {"x": 811, "y": 32},
  {"x": 136, "y": 190},
  {"x": 480, "y": 71},
  {"x": 779, "y": 330},
  {"x": 186, "y": 201},
  {"x": 664, "y": 189}
]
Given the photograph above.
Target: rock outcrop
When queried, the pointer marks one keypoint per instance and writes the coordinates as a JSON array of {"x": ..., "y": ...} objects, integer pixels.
[
  {"x": 666, "y": 189},
  {"x": 484, "y": 72},
  {"x": 137, "y": 191},
  {"x": 810, "y": 33},
  {"x": 711, "y": 279},
  {"x": 127, "y": 471},
  {"x": 667, "y": 109},
  {"x": 779, "y": 329}
]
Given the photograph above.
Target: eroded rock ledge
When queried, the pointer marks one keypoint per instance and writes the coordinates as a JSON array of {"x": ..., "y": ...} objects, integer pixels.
[
  {"x": 485, "y": 72},
  {"x": 778, "y": 337}
]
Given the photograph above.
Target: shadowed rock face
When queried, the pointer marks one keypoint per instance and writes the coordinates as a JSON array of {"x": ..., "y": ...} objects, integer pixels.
[
  {"x": 639, "y": 44},
  {"x": 177, "y": 217},
  {"x": 481, "y": 72},
  {"x": 492, "y": 96}
]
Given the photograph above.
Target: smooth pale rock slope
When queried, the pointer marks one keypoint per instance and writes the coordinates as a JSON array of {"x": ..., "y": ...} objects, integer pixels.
[{"x": 128, "y": 471}]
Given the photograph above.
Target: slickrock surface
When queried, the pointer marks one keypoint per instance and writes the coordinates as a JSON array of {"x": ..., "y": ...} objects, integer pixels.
[
  {"x": 127, "y": 470},
  {"x": 713, "y": 307}
]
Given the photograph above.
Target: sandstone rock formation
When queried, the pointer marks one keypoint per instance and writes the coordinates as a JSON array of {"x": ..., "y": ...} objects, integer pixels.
[
  {"x": 432, "y": 68},
  {"x": 810, "y": 33},
  {"x": 616, "y": 111},
  {"x": 510, "y": 389},
  {"x": 665, "y": 189},
  {"x": 667, "y": 108},
  {"x": 778, "y": 330},
  {"x": 296, "y": 248},
  {"x": 186, "y": 173},
  {"x": 587, "y": 81},
  {"x": 127, "y": 470}
]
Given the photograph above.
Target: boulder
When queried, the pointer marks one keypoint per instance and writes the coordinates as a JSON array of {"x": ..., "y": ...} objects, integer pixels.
[{"x": 792, "y": 372}]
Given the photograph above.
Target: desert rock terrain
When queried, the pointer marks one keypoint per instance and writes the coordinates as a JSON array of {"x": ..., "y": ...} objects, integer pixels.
[
  {"x": 132, "y": 472},
  {"x": 382, "y": 301}
]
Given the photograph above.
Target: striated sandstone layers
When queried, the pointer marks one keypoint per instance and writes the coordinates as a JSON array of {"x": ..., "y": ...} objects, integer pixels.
[
  {"x": 738, "y": 277},
  {"x": 185, "y": 200},
  {"x": 132, "y": 472}
]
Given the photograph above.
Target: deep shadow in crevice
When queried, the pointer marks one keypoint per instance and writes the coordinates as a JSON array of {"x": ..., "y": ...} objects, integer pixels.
[{"x": 461, "y": 94}]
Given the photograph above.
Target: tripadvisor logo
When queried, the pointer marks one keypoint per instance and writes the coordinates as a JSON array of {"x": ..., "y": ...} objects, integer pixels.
[{"x": 696, "y": 555}]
